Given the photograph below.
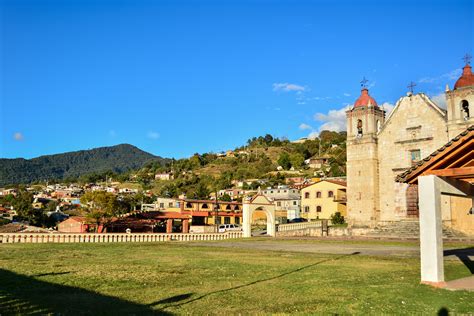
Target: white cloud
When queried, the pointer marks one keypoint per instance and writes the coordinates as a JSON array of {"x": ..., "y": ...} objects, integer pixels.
[
  {"x": 440, "y": 100},
  {"x": 286, "y": 87},
  {"x": 334, "y": 120},
  {"x": 313, "y": 135},
  {"x": 153, "y": 135},
  {"x": 347, "y": 94},
  {"x": 452, "y": 75},
  {"x": 304, "y": 126},
  {"x": 18, "y": 136},
  {"x": 388, "y": 107}
]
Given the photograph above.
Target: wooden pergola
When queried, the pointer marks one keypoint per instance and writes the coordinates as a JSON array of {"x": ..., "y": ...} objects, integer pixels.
[{"x": 447, "y": 171}]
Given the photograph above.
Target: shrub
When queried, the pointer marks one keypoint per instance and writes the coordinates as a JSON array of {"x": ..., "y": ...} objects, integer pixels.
[{"x": 337, "y": 218}]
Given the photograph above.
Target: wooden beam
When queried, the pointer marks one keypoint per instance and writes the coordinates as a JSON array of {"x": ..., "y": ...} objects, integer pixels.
[{"x": 454, "y": 172}]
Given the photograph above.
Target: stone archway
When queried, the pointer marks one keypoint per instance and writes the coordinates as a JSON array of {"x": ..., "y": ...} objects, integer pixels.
[{"x": 262, "y": 203}]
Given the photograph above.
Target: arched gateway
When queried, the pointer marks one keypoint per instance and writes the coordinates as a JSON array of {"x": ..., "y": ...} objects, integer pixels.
[{"x": 262, "y": 203}]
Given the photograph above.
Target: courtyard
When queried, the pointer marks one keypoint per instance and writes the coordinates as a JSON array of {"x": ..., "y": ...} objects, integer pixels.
[{"x": 256, "y": 276}]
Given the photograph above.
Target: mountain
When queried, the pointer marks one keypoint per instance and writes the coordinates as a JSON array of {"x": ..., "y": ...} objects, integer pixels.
[{"x": 119, "y": 158}]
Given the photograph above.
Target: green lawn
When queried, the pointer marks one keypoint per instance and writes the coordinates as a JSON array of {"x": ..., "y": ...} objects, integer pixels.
[{"x": 181, "y": 279}]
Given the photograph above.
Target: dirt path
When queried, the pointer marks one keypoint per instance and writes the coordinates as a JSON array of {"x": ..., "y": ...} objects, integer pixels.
[{"x": 371, "y": 249}]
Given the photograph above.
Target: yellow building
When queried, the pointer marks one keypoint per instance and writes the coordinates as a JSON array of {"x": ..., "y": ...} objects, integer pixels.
[{"x": 322, "y": 199}]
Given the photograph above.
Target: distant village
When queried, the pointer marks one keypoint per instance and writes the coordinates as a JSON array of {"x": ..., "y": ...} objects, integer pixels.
[{"x": 296, "y": 199}]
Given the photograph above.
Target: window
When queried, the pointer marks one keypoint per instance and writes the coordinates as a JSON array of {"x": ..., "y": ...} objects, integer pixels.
[
  {"x": 189, "y": 205},
  {"x": 359, "y": 128},
  {"x": 295, "y": 203},
  {"x": 318, "y": 195},
  {"x": 237, "y": 220},
  {"x": 162, "y": 205},
  {"x": 306, "y": 209},
  {"x": 319, "y": 209},
  {"x": 465, "y": 109},
  {"x": 415, "y": 156},
  {"x": 306, "y": 195},
  {"x": 170, "y": 204},
  {"x": 204, "y": 206},
  {"x": 227, "y": 220},
  {"x": 236, "y": 208},
  {"x": 330, "y": 194},
  {"x": 278, "y": 203},
  {"x": 228, "y": 207}
]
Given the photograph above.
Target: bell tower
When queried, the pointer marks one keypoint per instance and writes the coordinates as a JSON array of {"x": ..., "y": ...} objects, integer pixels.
[
  {"x": 460, "y": 101},
  {"x": 364, "y": 121}
]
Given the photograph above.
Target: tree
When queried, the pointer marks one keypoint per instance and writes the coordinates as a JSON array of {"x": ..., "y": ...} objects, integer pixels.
[
  {"x": 100, "y": 206},
  {"x": 226, "y": 198},
  {"x": 201, "y": 192},
  {"x": 284, "y": 161},
  {"x": 297, "y": 160},
  {"x": 337, "y": 218},
  {"x": 268, "y": 139}
]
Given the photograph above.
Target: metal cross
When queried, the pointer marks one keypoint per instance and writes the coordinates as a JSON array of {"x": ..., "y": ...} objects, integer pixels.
[
  {"x": 467, "y": 59},
  {"x": 363, "y": 83},
  {"x": 411, "y": 86}
]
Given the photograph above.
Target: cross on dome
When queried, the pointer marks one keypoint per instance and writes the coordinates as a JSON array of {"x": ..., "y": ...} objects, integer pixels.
[{"x": 467, "y": 59}]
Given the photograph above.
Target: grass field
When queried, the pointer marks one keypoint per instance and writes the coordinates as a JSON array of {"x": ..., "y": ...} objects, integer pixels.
[{"x": 176, "y": 278}]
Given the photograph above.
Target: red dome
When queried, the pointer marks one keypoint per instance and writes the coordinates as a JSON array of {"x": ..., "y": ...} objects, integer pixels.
[
  {"x": 466, "y": 79},
  {"x": 365, "y": 99}
]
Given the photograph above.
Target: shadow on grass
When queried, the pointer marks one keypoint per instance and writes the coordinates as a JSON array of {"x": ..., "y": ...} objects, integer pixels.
[
  {"x": 251, "y": 283},
  {"x": 463, "y": 255},
  {"x": 20, "y": 294}
]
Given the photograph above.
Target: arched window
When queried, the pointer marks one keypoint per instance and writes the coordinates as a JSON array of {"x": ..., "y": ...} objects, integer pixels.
[
  {"x": 359, "y": 128},
  {"x": 318, "y": 195},
  {"x": 189, "y": 205},
  {"x": 330, "y": 194},
  {"x": 306, "y": 209},
  {"x": 378, "y": 126},
  {"x": 318, "y": 209},
  {"x": 465, "y": 109},
  {"x": 228, "y": 207},
  {"x": 236, "y": 208},
  {"x": 204, "y": 206},
  {"x": 306, "y": 195}
]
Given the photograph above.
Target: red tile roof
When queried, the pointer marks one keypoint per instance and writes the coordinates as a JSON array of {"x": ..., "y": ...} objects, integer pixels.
[
  {"x": 466, "y": 79},
  {"x": 365, "y": 99}
]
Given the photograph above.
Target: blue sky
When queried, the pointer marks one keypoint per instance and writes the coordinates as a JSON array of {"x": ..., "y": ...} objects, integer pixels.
[{"x": 179, "y": 77}]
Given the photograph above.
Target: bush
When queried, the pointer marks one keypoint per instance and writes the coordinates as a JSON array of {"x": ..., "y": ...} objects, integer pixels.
[{"x": 337, "y": 218}]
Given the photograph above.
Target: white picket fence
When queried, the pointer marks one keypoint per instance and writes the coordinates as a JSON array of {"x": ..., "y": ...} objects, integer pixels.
[
  {"x": 111, "y": 237},
  {"x": 298, "y": 226}
]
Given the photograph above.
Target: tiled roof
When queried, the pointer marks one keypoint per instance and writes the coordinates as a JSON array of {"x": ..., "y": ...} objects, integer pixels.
[
  {"x": 466, "y": 79},
  {"x": 403, "y": 177}
]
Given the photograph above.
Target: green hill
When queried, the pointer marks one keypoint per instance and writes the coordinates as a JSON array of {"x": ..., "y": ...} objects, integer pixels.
[{"x": 119, "y": 158}]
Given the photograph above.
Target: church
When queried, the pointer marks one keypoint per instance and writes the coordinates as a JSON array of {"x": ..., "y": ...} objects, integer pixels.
[{"x": 380, "y": 147}]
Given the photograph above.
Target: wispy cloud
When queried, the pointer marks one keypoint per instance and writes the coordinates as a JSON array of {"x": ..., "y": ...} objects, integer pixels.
[
  {"x": 286, "y": 87},
  {"x": 153, "y": 135},
  {"x": 440, "y": 100},
  {"x": 18, "y": 136},
  {"x": 304, "y": 126},
  {"x": 347, "y": 94},
  {"x": 452, "y": 75}
]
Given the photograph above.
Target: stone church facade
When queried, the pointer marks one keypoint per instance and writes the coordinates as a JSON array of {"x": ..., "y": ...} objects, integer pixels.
[{"x": 379, "y": 148}]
